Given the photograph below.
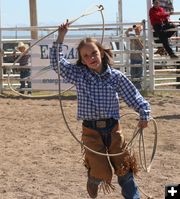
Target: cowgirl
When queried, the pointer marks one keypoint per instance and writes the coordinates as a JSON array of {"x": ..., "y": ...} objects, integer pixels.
[{"x": 99, "y": 87}]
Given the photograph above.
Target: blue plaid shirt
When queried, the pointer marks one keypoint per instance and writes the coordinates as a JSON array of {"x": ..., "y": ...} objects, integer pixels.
[{"x": 98, "y": 94}]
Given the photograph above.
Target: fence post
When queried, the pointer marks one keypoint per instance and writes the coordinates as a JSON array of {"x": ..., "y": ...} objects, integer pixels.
[
  {"x": 1, "y": 56},
  {"x": 1, "y": 70},
  {"x": 144, "y": 55},
  {"x": 150, "y": 45}
]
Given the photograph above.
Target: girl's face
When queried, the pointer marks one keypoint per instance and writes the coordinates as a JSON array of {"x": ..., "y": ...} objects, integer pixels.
[{"x": 92, "y": 57}]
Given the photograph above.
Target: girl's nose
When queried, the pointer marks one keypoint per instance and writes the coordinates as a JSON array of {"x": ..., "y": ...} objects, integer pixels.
[{"x": 92, "y": 57}]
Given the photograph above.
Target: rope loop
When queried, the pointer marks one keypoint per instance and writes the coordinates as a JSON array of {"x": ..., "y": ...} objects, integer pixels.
[{"x": 85, "y": 13}]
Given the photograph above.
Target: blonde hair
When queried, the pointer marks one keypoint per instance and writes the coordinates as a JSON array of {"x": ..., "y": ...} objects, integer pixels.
[
  {"x": 108, "y": 56},
  {"x": 138, "y": 26}
]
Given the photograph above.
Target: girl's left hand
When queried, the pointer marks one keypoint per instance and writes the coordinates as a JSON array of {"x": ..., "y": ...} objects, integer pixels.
[{"x": 62, "y": 30}]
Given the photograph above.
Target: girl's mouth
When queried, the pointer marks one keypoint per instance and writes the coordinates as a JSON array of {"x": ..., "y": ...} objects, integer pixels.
[{"x": 93, "y": 63}]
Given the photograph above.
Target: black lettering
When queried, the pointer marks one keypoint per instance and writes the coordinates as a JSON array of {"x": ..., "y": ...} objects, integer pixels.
[{"x": 44, "y": 51}]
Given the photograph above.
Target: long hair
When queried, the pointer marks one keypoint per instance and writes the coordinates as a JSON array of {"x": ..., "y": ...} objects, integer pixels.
[{"x": 107, "y": 58}]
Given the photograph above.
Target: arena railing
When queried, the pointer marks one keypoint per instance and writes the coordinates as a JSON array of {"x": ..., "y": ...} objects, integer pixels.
[{"x": 118, "y": 42}]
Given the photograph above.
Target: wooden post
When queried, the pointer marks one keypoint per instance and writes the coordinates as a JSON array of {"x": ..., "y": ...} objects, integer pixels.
[
  {"x": 1, "y": 56},
  {"x": 1, "y": 69},
  {"x": 33, "y": 18},
  {"x": 120, "y": 22},
  {"x": 150, "y": 46}
]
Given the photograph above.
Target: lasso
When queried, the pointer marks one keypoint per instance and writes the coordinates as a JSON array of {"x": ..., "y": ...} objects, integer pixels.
[{"x": 137, "y": 131}]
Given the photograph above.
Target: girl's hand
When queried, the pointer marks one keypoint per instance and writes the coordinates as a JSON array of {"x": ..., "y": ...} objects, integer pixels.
[
  {"x": 130, "y": 29},
  {"x": 62, "y": 30},
  {"x": 143, "y": 124}
]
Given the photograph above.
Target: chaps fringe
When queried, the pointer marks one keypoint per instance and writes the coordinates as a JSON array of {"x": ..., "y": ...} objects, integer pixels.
[{"x": 107, "y": 188}]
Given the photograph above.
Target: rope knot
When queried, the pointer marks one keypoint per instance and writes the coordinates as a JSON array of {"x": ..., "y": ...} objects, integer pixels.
[{"x": 101, "y": 7}]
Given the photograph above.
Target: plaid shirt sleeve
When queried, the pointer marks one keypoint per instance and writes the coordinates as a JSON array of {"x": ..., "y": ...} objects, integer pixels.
[
  {"x": 67, "y": 70},
  {"x": 133, "y": 98},
  {"x": 54, "y": 55}
]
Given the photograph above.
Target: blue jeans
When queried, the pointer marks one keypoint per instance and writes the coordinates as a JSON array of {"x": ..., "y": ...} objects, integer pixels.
[
  {"x": 160, "y": 31},
  {"x": 23, "y": 74},
  {"x": 137, "y": 72},
  {"x": 129, "y": 187}
]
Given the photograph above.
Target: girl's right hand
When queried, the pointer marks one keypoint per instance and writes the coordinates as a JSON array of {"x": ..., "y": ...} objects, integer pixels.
[
  {"x": 62, "y": 30},
  {"x": 130, "y": 29}
]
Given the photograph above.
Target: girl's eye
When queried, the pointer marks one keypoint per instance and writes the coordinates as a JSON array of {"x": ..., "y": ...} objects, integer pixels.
[
  {"x": 85, "y": 56},
  {"x": 94, "y": 53}
]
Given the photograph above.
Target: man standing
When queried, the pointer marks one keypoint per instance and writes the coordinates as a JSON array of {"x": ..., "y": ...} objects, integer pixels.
[{"x": 136, "y": 58}]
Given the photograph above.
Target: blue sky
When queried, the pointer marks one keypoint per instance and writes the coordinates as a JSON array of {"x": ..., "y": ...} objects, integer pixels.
[{"x": 53, "y": 12}]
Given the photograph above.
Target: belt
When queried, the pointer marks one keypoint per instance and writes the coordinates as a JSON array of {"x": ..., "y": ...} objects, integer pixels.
[{"x": 99, "y": 124}]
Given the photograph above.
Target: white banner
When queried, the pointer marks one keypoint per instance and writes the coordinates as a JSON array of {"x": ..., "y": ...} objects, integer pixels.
[{"x": 43, "y": 79}]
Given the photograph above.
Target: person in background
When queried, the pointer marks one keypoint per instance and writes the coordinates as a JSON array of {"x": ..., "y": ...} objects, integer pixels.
[
  {"x": 168, "y": 7},
  {"x": 99, "y": 87},
  {"x": 24, "y": 72},
  {"x": 160, "y": 22},
  {"x": 136, "y": 58},
  {"x": 1, "y": 52}
]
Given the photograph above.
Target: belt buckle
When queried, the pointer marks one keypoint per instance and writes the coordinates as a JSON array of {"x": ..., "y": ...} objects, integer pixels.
[{"x": 101, "y": 124}]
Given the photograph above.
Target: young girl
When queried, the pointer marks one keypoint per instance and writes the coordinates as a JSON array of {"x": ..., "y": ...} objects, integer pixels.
[{"x": 99, "y": 87}]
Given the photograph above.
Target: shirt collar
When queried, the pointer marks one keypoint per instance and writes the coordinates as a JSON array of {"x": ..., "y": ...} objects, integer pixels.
[
  {"x": 92, "y": 75},
  {"x": 106, "y": 72}
]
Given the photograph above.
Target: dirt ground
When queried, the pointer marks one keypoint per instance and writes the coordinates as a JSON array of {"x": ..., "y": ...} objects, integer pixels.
[{"x": 39, "y": 158}]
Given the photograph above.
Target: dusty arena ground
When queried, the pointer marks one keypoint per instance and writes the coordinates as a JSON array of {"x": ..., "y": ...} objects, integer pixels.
[{"x": 39, "y": 159}]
